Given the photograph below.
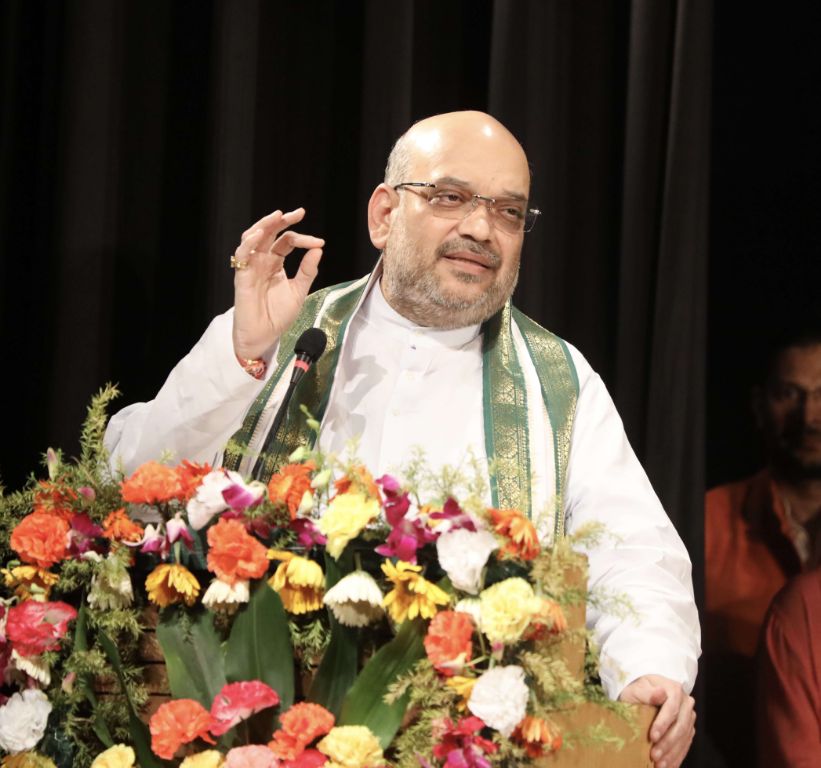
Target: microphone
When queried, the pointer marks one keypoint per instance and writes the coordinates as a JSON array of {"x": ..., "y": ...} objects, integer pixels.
[{"x": 308, "y": 349}]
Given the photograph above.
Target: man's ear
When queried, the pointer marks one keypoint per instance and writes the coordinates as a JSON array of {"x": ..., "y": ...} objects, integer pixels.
[{"x": 380, "y": 206}]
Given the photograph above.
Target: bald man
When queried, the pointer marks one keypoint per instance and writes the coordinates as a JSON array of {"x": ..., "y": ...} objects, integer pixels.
[{"x": 428, "y": 351}]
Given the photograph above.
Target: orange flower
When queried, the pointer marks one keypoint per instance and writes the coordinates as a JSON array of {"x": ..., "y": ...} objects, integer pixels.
[
  {"x": 190, "y": 476},
  {"x": 301, "y": 724},
  {"x": 55, "y": 499},
  {"x": 522, "y": 539},
  {"x": 235, "y": 554},
  {"x": 41, "y": 539},
  {"x": 176, "y": 723},
  {"x": 118, "y": 526},
  {"x": 359, "y": 479},
  {"x": 537, "y": 736},
  {"x": 288, "y": 486},
  {"x": 548, "y": 618},
  {"x": 448, "y": 641},
  {"x": 152, "y": 483}
]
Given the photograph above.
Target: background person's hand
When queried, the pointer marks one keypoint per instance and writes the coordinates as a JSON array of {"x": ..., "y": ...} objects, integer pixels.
[
  {"x": 266, "y": 301},
  {"x": 673, "y": 728}
]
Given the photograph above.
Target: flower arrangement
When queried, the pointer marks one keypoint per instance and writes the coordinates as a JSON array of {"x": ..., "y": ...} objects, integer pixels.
[{"x": 326, "y": 618}]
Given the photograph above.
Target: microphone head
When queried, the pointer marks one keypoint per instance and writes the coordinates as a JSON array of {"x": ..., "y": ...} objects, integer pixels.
[{"x": 311, "y": 344}]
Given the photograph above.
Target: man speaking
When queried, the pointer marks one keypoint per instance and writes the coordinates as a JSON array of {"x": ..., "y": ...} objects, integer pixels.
[{"x": 428, "y": 351}]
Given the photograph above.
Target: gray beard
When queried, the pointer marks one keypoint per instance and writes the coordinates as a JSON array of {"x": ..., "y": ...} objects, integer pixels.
[{"x": 416, "y": 293}]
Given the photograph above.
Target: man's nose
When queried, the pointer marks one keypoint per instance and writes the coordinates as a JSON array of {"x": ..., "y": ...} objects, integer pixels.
[{"x": 477, "y": 224}]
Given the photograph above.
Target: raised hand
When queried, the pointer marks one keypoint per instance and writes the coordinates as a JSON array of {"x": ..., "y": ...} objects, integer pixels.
[{"x": 266, "y": 300}]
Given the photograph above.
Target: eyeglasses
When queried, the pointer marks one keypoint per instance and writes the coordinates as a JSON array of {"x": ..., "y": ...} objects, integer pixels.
[{"x": 449, "y": 202}]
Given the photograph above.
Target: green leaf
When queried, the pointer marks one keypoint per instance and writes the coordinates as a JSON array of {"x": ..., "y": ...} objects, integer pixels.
[
  {"x": 193, "y": 655},
  {"x": 337, "y": 671},
  {"x": 98, "y": 724},
  {"x": 138, "y": 730},
  {"x": 364, "y": 704},
  {"x": 259, "y": 647}
]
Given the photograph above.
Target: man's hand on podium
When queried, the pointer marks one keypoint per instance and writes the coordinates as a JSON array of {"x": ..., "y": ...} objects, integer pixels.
[{"x": 673, "y": 729}]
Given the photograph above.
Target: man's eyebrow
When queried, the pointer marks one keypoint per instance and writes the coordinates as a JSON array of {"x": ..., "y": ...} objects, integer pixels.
[{"x": 454, "y": 182}]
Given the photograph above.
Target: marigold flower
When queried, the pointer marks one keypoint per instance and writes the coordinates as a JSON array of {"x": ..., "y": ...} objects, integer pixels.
[
  {"x": 29, "y": 581},
  {"x": 299, "y": 582},
  {"x": 41, "y": 539},
  {"x": 412, "y": 594},
  {"x": 506, "y": 610},
  {"x": 448, "y": 641},
  {"x": 55, "y": 498},
  {"x": 300, "y": 725},
  {"x": 355, "y": 600},
  {"x": 345, "y": 518},
  {"x": 237, "y": 702},
  {"x": 118, "y": 756},
  {"x": 233, "y": 553},
  {"x": 289, "y": 485},
  {"x": 176, "y": 723},
  {"x": 34, "y": 627},
  {"x": 152, "y": 483},
  {"x": 171, "y": 583},
  {"x": 522, "y": 539},
  {"x": 190, "y": 476},
  {"x": 351, "y": 746},
  {"x": 250, "y": 756},
  {"x": 210, "y": 758},
  {"x": 358, "y": 480},
  {"x": 118, "y": 526},
  {"x": 537, "y": 736}
]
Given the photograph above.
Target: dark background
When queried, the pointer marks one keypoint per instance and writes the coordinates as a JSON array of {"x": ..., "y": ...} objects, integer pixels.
[{"x": 674, "y": 145}]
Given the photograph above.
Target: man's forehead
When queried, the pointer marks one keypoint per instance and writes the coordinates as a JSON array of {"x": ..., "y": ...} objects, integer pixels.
[{"x": 802, "y": 362}]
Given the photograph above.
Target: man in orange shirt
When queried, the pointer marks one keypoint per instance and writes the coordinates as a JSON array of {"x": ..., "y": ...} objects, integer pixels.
[{"x": 760, "y": 532}]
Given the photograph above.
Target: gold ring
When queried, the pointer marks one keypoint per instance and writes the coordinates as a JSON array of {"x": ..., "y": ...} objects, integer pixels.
[{"x": 236, "y": 263}]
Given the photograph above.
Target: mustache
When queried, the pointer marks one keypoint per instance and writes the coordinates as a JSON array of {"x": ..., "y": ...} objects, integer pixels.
[{"x": 461, "y": 244}]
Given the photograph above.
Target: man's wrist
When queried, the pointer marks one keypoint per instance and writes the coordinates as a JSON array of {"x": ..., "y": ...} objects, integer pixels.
[{"x": 253, "y": 366}]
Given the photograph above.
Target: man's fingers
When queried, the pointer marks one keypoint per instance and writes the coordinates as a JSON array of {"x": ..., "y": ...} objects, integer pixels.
[
  {"x": 274, "y": 223},
  {"x": 668, "y": 714},
  {"x": 287, "y": 241},
  {"x": 673, "y": 746},
  {"x": 308, "y": 269}
]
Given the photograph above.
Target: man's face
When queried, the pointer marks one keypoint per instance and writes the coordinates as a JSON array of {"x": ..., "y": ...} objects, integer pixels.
[
  {"x": 450, "y": 273},
  {"x": 792, "y": 410}
]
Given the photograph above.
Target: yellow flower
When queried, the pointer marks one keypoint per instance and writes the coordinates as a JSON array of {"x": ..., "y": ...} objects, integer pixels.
[
  {"x": 506, "y": 610},
  {"x": 172, "y": 583},
  {"x": 412, "y": 594},
  {"x": 345, "y": 518},
  {"x": 118, "y": 756},
  {"x": 29, "y": 581},
  {"x": 28, "y": 760},
  {"x": 299, "y": 582},
  {"x": 208, "y": 759},
  {"x": 463, "y": 687},
  {"x": 351, "y": 746}
]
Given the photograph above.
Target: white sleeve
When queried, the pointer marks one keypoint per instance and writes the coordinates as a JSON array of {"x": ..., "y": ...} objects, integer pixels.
[
  {"x": 642, "y": 558},
  {"x": 200, "y": 406}
]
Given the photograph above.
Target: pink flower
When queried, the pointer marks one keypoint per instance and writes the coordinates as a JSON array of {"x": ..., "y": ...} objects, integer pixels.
[
  {"x": 239, "y": 495},
  {"x": 310, "y": 758},
  {"x": 177, "y": 529},
  {"x": 34, "y": 627},
  {"x": 307, "y": 533},
  {"x": 252, "y": 756},
  {"x": 461, "y": 746},
  {"x": 453, "y": 517},
  {"x": 237, "y": 702},
  {"x": 408, "y": 534},
  {"x": 82, "y": 533}
]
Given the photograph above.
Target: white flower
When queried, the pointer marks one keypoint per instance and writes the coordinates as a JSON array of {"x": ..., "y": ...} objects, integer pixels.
[
  {"x": 23, "y": 720},
  {"x": 355, "y": 600},
  {"x": 463, "y": 555},
  {"x": 472, "y": 606},
  {"x": 221, "y": 596},
  {"x": 111, "y": 585},
  {"x": 33, "y": 666},
  {"x": 208, "y": 500},
  {"x": 499, "y": 698}
]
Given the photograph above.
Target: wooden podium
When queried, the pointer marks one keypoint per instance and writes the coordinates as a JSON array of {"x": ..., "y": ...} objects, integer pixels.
[{"x": 580, "y": 720}]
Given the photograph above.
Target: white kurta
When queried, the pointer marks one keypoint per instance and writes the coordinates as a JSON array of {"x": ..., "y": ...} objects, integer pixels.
[{"x": 422, "y": 386}]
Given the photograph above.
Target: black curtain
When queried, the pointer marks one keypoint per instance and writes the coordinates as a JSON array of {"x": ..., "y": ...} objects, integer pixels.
[{"x": 138, "y": 140}]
